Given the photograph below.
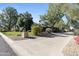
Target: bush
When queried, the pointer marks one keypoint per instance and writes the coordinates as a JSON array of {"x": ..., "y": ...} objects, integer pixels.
[
  {"x": 35, "y": 30},
  {"x": 48, "y": 30},
  {"x": 76, "y": 31},
  {"x": 29, "y": 31}
]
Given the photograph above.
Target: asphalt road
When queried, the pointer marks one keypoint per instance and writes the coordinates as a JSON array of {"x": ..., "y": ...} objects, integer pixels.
[{"x": 5, "y": 49}]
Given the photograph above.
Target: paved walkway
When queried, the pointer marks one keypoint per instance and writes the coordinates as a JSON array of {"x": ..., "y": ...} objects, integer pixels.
[
  {"x": 5, "y": 50},
  {"x": 43, "y": 46},
  {"x": 71, "y": 49}
]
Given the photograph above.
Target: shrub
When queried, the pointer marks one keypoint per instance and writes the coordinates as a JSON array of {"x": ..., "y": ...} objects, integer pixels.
[
  {"x": 48, "y": 30},
  {"x": 76, "y": 31},
  {"x": 29, "y": 31},
  {"x": 35, "y": 30}
]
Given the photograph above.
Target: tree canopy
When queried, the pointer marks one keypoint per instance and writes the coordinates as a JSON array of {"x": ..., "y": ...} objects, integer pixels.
[
  {"x": 25, "y": 21},
  {"x": 55, "y": 13},
  {"x": 11, "y": 20},
  {"x": 8, "y": 18}
]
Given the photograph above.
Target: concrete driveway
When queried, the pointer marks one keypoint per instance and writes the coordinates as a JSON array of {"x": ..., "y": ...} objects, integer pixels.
[{"x": 43, "y": 46}]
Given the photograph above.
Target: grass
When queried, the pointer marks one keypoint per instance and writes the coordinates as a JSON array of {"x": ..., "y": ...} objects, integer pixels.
[
  {"x": 31, "y": 34},
  {"x": 16, "y": 33},
  {"x": 12, "y": 33}
]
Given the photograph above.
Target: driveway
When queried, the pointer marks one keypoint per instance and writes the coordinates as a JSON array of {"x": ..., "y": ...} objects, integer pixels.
[{"x": 44, "y": 46}]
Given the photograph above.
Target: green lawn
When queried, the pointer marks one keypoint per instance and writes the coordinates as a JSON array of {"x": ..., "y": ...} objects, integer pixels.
[
  {"x": 16, "y": 33},
  {"x": 12, "y": 33}
]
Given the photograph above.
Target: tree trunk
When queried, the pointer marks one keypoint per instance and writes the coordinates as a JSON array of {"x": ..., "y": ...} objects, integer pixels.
[{"x": 24, "y": 34}]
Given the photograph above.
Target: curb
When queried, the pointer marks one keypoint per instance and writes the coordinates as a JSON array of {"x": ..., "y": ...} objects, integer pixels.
[{"x": 19, "y": 51}]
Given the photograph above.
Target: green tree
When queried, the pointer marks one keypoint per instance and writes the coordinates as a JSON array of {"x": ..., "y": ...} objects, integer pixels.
[
  {"x": 8, "y": 18},
  {"x": 57, "y": 11},
  {"x": 25, "y": 21},
  {"x": 53, "y": 16},
  {"x": 71, "y": 11}
]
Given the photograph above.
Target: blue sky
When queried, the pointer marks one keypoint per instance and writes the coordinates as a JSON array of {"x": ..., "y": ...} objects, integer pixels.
[
  {"x": 36, "y": 9},
  {"x": 64, "y": 19}
]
